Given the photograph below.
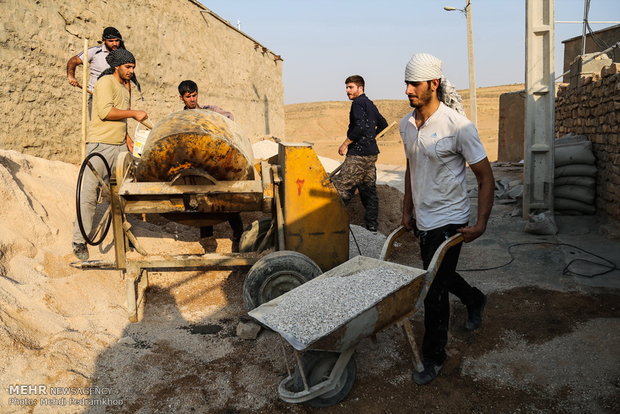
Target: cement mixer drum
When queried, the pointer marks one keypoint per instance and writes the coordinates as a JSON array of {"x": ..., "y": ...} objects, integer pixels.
[{"x": 196, "y": 140}]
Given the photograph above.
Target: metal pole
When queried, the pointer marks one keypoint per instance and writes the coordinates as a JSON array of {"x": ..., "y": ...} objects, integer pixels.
[
  {"x": 84, "y": 96},
  {"x": 585, "y": 20},
  {"x": 472, "y": 73}
]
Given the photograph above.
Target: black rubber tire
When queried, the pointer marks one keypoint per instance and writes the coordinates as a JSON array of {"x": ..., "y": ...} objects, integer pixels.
[
  {"x": 275, "y": 274},
  {"x": 254, "y": 235},
  {"x": 317, "y": 367},
  {"x": 78, "y": 196}
]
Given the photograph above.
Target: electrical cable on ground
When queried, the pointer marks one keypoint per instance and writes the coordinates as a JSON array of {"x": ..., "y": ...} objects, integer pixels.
[{"x": 611, "y": 266}]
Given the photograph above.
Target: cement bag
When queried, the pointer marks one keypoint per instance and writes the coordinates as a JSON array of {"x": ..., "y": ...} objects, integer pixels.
[
  {"x": 587, "y": 170},
  {"x": 574, "y": 153},
  {"x": 570, "y": 139},
  {"x": 575, "y": 192},
  {"x": 573, "y": 205},
  {"x": 583, "y": 181}
]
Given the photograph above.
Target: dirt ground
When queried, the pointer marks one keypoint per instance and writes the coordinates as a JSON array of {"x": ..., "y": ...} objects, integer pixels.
[
  {"x": 541, "y": 349},
  {"x": 204, "y": 368}
]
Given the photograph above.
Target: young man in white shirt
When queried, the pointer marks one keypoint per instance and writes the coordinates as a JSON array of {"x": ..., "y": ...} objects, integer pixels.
[{"x": 439, "y": 141}]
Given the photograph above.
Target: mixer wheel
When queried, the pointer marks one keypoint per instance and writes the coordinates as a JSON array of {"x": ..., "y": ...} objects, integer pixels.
[
  {"x": 276, "y": 274},
  {"x": 103, "y": 199}
]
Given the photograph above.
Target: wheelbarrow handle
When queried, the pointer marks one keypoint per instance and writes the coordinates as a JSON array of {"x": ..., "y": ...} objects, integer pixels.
[
  {"x": 433, "y": 267},
  {"x": 389, "y": 241}
]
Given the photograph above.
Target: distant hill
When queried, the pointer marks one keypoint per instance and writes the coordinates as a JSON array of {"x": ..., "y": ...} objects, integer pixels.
[{"x": 325, "y": 123}]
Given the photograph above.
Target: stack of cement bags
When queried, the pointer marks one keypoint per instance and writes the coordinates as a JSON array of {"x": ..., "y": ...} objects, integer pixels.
[{"x": 575, "y": 175}]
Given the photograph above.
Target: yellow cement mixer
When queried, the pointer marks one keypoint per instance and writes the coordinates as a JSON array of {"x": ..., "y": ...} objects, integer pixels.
[{"x": 197, "y": 168}]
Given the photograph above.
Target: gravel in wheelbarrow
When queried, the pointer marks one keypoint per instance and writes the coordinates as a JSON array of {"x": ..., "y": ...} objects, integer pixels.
[{"x": 319, "y": 307}]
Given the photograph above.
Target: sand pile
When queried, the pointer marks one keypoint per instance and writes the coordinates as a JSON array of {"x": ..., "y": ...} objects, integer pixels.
[
  {"x": 59, "y": 325},
  {"x": 390, "y": 209},
  {"x": 54, "y": 319}
]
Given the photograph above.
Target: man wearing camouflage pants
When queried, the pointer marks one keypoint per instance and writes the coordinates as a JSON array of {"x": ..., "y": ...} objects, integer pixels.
[{"x": 358, "y": 170}]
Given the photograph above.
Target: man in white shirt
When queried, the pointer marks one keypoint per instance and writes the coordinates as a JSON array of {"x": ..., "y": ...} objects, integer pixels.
[{"x": 439, "y": 141}]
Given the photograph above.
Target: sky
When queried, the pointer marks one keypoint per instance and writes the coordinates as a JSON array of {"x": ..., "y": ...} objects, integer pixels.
[{"x": 324, "y": 41}]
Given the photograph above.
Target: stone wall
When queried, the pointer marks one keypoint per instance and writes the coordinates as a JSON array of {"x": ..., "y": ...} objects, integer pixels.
[
  {"x": 592, "y": 108},
  {"x": 172, "y": 41}
]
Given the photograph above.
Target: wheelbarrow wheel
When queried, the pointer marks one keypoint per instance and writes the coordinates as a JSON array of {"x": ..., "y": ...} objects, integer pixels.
[
  {"x": 276, "y": 274},
  {"x": 103, "y": 197},
  {"x": 252, "y": 238},
  {"x": 318, "y": 366}
]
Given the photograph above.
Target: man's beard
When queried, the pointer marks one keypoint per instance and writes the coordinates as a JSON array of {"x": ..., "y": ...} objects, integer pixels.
[{"x": 423, "y": 99}]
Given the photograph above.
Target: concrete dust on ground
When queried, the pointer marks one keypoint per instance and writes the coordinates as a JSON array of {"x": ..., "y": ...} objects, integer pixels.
[{"x": 549, "y": 342}]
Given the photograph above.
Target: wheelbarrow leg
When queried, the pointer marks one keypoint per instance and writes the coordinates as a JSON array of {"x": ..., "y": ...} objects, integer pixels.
[
  {"x": 405, "y": 323},
  {"x": 321, "y": 379},
  {"x": 301, "y": 370}
]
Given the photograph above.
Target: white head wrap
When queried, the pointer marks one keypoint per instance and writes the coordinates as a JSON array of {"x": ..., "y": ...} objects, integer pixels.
[{"x": 424, "y": 67}]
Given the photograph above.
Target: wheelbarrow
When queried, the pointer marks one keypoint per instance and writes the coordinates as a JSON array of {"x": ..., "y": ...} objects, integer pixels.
[{"x": 326, "y": 318}]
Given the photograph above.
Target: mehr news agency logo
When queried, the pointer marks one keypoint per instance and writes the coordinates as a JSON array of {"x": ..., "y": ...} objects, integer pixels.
[{"x": 39, "y": 394}]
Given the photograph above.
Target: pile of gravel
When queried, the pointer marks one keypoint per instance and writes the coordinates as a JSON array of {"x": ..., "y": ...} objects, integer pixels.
[
  {"x": 370, "y": 244},
  {"x": 322, "y": 305}
]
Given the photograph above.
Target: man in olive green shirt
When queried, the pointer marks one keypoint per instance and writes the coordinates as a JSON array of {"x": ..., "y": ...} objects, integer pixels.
[{"x": 107, "y": 134}]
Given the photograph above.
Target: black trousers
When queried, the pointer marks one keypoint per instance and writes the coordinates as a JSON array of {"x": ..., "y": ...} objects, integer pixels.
[
  {"x": 436, "y": 303},
  {"x": 370, "y": 201}
]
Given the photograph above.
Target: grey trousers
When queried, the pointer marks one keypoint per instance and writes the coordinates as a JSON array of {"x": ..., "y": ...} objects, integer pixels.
[{"x": 88, "y": 195}]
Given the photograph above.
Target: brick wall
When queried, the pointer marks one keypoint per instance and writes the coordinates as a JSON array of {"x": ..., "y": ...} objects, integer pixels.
[{"x": 592, "y": 108}]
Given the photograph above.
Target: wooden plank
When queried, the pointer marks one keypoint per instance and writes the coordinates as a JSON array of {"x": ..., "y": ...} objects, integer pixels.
[
  {"x": 117, "y": 228},
  {"x": 159, "y": 188},
  {"x": 209, "y": 260},
  {"x": 205, "y": 205}
]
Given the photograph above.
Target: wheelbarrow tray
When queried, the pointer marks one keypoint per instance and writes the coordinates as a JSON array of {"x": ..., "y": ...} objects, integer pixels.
[{"x": 344, "y": 331}]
